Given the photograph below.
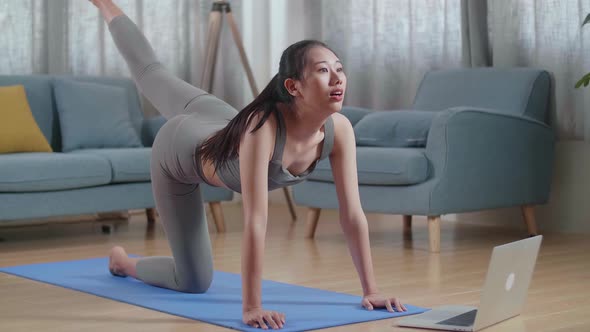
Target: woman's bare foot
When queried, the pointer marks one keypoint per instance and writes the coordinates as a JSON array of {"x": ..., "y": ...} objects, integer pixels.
[
  {"x": 119, "y": 262},
  {"x": 108, "y": 9}
]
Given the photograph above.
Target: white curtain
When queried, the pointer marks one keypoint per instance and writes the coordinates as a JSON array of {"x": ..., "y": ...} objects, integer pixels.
[
  {"x": 388, "y": 45},
  {"x": 22, "y": 44},
  {"x": 548, "y": 34},
  {"x": 70, "y": 37}
]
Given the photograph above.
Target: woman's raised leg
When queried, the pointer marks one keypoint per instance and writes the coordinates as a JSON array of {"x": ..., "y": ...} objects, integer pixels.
[{"x": 168, "y": 93}]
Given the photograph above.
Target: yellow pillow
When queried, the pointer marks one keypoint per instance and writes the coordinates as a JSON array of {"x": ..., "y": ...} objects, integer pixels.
[{"x": 19, "y": 131}]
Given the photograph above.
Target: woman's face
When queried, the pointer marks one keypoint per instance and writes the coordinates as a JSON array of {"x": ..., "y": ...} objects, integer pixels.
[{"x": 323, "y": 83}]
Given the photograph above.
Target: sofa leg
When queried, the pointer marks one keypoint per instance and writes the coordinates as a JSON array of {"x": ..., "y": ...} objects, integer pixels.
[
  {"x": 434, "y": 233},
  {"x": 110, "y": 221},
  {"x": 217, "y": 216},
  {"x": 528, "y": 214},
  {"x": 313, "y": 215},
  {"x": 407, "y": 224},
  {"x": 151, "y": 215}
]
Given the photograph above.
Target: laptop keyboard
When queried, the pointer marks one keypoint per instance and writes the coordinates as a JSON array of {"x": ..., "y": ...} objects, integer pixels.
[{"x": 465, "y": 319}]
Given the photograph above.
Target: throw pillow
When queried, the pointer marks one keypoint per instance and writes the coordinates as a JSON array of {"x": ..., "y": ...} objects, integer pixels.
[
  {"x": 93, "y": 116},
  {"x": 403, "y": 128},
  {"x": 19, "y": 131}
]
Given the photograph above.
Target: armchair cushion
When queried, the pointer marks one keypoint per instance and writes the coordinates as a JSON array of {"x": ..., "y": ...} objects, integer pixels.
[
  {"x": 355, "y": 114},
  {"x": 394, "y": 128},
  {"x": 382, "y": 166}
]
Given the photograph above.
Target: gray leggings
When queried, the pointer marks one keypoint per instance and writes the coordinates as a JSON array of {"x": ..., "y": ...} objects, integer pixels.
[{"x": 192, "y": 115}]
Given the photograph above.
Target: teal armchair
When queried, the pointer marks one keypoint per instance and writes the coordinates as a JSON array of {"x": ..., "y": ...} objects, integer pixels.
[{"x": 487, "y": 144}]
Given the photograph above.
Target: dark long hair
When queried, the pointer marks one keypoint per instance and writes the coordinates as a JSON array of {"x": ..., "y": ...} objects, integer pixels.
[{"x": 224, "y": 144}]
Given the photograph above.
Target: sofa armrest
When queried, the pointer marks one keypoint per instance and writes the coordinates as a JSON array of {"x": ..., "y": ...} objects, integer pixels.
[
  {"x": 485, "y": 159},
  {"x": 150, "y": 128}
]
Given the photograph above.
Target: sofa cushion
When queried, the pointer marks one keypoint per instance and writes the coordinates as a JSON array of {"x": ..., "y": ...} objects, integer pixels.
[
  {"x": 39, "y": 171},
  {"x": 382, "y": 166},
  {"x": 127, "y": 164},
  {"x": 93, "y": 116},
  {"x": 19, "y": 132},
  {"x": 400, "y": 128}
]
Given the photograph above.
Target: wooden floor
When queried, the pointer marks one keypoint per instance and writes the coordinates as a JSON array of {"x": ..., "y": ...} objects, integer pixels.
[{"x": 559, "y": 297}]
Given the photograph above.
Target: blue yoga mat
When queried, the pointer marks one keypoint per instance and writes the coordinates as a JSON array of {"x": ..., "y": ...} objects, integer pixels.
[{"x": 305, "y": 308}]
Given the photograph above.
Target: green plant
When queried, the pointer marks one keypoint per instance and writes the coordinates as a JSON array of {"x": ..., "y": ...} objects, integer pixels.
[{"x": 586, "y": 78}]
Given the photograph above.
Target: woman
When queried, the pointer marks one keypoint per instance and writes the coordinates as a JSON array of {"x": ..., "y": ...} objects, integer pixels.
[{"x": 286, "y": 130}]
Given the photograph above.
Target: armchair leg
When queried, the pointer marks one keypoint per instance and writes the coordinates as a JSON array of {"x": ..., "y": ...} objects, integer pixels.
[
  {"x": 528, "y": 214},
  {"x": 313, "y": 215},
  {"x": 407, "y": 224},
  {"x": 434, "y": 233},
  {"x": 151, "y": 215},
  {"x": 290, "y": 204},
  {"x": 217, "y": 214}
]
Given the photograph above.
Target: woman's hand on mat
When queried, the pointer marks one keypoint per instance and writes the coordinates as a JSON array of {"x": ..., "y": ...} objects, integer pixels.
[
  {"x": 371, "y": 301},
  {"x": 260, "y": 318}
]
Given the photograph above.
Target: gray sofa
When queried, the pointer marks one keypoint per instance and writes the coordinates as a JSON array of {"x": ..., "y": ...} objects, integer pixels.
[
  {"x": 83, "y": 180},
  {"x": 473, "y": 139}
]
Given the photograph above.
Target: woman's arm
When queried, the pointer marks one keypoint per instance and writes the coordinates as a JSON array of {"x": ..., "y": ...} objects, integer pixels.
[
  {"x": 108, "y": 9},
  {"x": 255, "y": 153},
  {"x": 352, "y": 218}
]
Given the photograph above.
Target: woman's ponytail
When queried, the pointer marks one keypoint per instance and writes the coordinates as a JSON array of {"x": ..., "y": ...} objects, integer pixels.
[{"x": 224, "y": 144}]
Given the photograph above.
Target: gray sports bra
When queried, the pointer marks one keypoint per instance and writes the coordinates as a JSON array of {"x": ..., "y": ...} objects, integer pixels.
[{"x": 278, "y": 176}]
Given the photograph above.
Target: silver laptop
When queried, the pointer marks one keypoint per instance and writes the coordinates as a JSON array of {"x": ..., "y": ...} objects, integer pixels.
[{"x": 503, "y": 295}]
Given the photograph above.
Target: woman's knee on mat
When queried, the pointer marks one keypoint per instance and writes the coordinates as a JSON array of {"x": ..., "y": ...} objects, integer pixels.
[{"x": 197, "y": 285}]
